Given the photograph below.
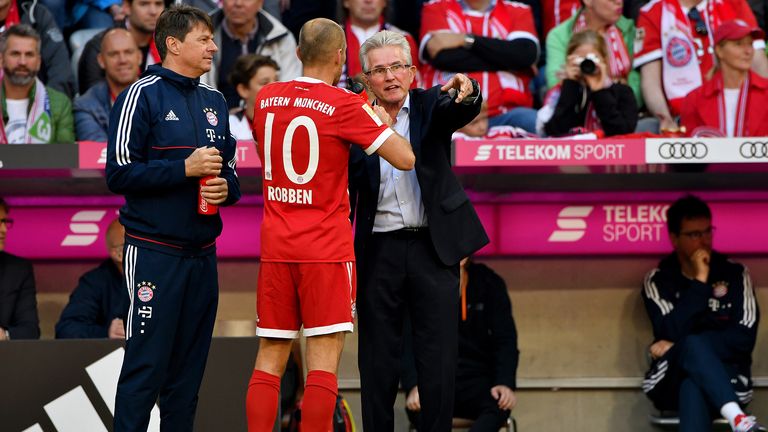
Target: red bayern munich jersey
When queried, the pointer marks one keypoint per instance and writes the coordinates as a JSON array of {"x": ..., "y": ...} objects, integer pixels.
[
  {"x": 648, "y": 38},
  {"x": 304, "y": 129},
  {"x": 507, "y": 20}
]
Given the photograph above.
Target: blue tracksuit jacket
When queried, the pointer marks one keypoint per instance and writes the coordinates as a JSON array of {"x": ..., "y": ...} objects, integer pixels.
[{"x": 154, "y": 126}]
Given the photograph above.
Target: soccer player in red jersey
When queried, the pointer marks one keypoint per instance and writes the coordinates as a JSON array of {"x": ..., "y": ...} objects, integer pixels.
[{"x": 304, "y": 129}]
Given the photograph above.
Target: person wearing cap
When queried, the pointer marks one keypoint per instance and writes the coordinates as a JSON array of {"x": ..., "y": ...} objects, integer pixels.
[
  {"x": 732, "y": 102},
  {"x": 674, "y": 50}
]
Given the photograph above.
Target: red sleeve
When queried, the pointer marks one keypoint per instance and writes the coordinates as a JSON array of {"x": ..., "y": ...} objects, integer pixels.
[
  {"x": 414, "y": 60},
  {"x": 522, "y": 19},
  {"x": 433, "y": 18},
  {"x": 648, "y": 36},
  {"x": 359, "y": 124},
  {"x": 414, "y": 50},
  {"x": 689, "y": 112}
]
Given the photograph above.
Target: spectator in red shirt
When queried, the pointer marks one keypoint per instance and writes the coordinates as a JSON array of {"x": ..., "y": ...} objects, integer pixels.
[
  {"x": 492, "y": 41},
  {"x": 674, "y": 49},
  {"x": 363, "y": 19},
  {"x": 734, "y": 101}
]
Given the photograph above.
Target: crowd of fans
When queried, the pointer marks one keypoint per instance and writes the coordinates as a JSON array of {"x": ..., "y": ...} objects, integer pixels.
[{"x": 689, "y": 67}]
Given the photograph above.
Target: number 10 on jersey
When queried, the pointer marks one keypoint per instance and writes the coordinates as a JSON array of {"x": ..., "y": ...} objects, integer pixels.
[{"x": 314, "y": 149}]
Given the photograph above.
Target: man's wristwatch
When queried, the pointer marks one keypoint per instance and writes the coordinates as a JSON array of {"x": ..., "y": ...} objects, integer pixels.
[
  {"x": 472, "y": 98},
  {"x": 469, "y": 41}
]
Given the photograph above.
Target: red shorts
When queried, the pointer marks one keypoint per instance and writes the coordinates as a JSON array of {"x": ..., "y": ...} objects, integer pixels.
[{"x": 319, "y": 296}]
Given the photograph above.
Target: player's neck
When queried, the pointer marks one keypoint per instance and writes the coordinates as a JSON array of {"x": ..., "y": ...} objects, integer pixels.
[{"x": 325, "y": 74}]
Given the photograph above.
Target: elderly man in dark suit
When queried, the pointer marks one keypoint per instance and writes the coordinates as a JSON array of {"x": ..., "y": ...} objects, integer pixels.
[
  {"x": 412, "y": 230},
  {"x": 18, "y": 305}
]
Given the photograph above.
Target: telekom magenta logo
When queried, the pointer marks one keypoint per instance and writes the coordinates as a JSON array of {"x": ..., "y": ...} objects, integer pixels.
[
  {"x": 84, "y": 228},
  {"x": 571, "y": 223},
  {"x": 483, "y": 152}
]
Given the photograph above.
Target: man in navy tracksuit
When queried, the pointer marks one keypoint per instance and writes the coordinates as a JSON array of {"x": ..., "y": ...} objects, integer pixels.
[
  {"x": 166, "y": 132},
  {"x": 704, "y": 316}
]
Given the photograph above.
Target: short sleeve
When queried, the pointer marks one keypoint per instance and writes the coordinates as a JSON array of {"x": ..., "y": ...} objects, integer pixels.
[
  {"x": 360, "y": 125},
  {"x": 648, "y": 37}
]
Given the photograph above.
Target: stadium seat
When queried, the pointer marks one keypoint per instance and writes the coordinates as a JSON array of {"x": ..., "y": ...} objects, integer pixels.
[{"x": 77, "y": 43}]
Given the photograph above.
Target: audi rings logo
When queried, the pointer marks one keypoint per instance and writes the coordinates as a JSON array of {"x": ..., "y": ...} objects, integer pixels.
[
  {"x": 683, "y": 150},
  {"x": 754, "y": 150}
]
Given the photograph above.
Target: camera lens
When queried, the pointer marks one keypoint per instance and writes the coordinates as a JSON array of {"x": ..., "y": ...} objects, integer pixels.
[{"x": 588, "y": 67}]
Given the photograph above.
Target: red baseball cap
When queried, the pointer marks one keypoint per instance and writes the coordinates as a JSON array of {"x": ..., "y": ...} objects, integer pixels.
[{"x": 737, "y": 29}]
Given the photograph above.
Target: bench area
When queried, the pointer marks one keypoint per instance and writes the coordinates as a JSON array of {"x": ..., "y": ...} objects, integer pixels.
[{"x": 582, "y": 332}]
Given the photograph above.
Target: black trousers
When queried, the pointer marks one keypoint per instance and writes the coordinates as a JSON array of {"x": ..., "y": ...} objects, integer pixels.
[
  {"x": 401, "y": 274},
  {"x": 170, "y": 324},
  {"x": 696, "y": 377}
]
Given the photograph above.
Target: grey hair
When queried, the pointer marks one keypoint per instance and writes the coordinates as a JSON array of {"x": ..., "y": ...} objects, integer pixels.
[
  {"x": 382, "y": 39},
  {"x": 19, "y": 30}
]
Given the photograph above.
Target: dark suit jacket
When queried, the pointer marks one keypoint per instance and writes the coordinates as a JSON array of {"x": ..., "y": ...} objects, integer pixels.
[
  {"x": 98, "y": 298},
  {"x": 454, "y": 227},
  {"x": 18, "y": 305}
]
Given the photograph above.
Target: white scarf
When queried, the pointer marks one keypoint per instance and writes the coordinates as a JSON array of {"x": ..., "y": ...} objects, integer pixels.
[
  {"x": 39, "y": 120},
  {"x": 680, "y": 71}
]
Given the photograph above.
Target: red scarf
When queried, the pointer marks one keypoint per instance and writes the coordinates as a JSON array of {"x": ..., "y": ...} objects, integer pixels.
[
  {"x": 740, "y": 123},
  {"x": 13, "y": 16},
  {"x": 353, "y": 49},
  {"x": 618, "y": 58},
  {"x": 153, "y": 50}
]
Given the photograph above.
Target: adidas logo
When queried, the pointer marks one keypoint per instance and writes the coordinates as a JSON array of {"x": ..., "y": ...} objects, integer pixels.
[{"x": 171, "y": 116}]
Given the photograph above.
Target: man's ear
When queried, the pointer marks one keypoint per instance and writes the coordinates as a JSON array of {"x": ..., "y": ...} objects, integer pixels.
[
  {"x": 100, "y": 60},
  {"x": 298, "y": 53},
  {"x": 172, "y": 45}
]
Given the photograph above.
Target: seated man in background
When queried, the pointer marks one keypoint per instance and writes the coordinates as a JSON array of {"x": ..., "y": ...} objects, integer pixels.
[
  {"x": 493, "y": 42},
  {"x": 56, "y": 69},
  {"x": 704, "y": 316},
  {"x": 32, "y": 112},
  {"x": 250, "y": 74},
  {"x": 488, "y": 356},
  {"x": 120, "y": 59},
  {"x": 99, "y": 304},
  {"x": 18, "y": 302},
  {"x": 140, "y": 19}
]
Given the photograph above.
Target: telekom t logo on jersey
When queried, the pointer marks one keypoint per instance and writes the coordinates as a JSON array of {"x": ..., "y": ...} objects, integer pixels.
[{"x": 571, "y": 223}]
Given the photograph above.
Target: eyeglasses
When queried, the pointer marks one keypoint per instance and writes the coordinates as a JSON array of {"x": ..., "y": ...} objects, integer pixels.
[
  {"x": 699, "y": 234},
  {"x": 700, "y": 25},
  {"x": 382, "y": 71},
  {"x": 7, "y": 222}
]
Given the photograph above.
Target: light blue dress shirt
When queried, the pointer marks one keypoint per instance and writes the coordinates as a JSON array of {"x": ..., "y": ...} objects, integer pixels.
[{"x": 400, "y": 204}]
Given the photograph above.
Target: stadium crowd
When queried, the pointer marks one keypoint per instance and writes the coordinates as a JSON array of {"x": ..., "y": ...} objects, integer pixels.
[
  {"x": 544, "y": 68},
  {"x": 602, "y": 67}
]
